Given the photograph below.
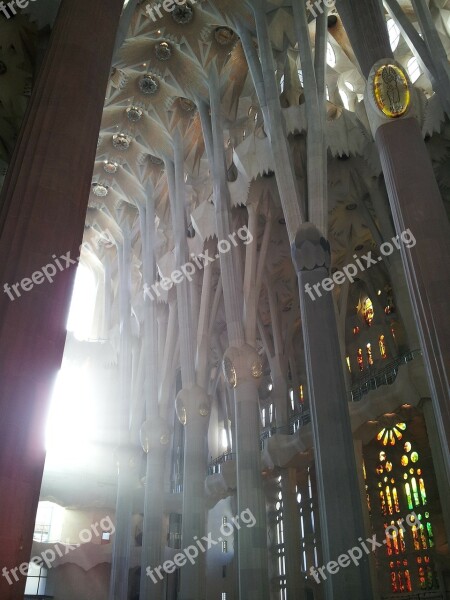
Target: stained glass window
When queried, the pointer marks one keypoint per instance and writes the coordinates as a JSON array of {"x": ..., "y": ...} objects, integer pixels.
[
  {"x": 401, "y": 489},
  {"x": 382, "y": 344},
  {"x": 368, "y": 312},
  {"x": 369, "y": 354},
  {"x": 360, "y": 359}
]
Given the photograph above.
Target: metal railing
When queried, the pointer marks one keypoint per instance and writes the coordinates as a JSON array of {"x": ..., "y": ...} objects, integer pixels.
[
  {"x": 431, "y": 595},
  {"x": 215, "y": 466},
  {"x": 385, "y": 376}
]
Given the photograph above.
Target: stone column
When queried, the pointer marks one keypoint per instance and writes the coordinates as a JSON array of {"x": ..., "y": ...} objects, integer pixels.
[
  {"x": 155, "y": 437},
  {"x": 341, "y": 518},
  {"x": 291, "y": 529},
  {"x": 43, "y": 208},
  {"x": 193, "y": 409},
  {"x": 155, "y": 433},
  {"x": 128, "y": 464},
  {"x": 193, "y": 404},
  {"x": 127, "y": 455},
  {"x": 242, "y": 367},
  {"x": 416, "y": 204}
]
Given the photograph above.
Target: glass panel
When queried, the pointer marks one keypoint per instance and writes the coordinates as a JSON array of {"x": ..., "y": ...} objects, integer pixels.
[{"x": 31, "y": 586}]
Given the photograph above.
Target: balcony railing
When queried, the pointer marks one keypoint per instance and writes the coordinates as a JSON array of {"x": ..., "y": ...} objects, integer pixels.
[
  {"x": 385, "y": 376},
  {"x": 215, "y": 466}
]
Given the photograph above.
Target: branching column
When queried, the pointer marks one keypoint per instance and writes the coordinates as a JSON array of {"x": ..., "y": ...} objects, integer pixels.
[
  {"x": 193, "y": 404},
  {"x": 127, "y": 455},
  {"x": 155, "y": 434},
  {"x": 242, "y": 366}
]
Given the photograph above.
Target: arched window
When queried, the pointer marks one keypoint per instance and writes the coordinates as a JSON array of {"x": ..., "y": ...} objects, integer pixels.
[
  {"x": 345, "y": 100},
  {"x": 360, "y": 359},
  {"x": 331, "y": 55},
  {"x": 394, "y": 34},
  {"x": 368, "y": 312},
  {"x": 401, "y": 489},
  {"x": 414, "y": 71},
  {"x": 369, "y": 355},
  {"x": 382, "y": 344}
]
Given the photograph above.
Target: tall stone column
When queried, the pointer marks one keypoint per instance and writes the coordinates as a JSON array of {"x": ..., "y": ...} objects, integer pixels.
[
  {"x": 43, "y": 208},
  {"x": 126, "y": 453},
  {"x": 242, "y": 367},
  {"x": 193, "y": 409},
  {"x": 155, "y": 438},
  {"x": 155, "y": 433},
  {"x": 193, "y": 404},
  {"x": 128, "y": 465},
  {"x": 291, "y": 530},
  {"x": 415, "y": 200},
  {"x": 341, "y": 517}
]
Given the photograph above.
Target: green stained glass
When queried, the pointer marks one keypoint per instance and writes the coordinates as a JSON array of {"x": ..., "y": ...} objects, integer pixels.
[
  {"x": 430, "y": 534},
  {"x": 415, "y": 491},
  {"x": 422, "y": 491},
  {"x": 414, "y": 457},
  {"x": 408, "y": 495}
]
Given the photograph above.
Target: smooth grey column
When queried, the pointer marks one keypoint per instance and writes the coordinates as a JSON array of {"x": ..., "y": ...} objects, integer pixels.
[
  {"x": 341, "y": 517},
  {"x": 417, "y": 205},
  {"x": 291, "y": 530},
  {"x": 252, "y": 542},
  {"x": 193, "y": 408},
  {"x": 127, "y": 460},
  {"x": 152, "y": 586}
]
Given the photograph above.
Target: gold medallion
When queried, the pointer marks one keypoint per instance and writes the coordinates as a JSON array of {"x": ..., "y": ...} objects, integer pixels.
[{"x": 391, "y": 91}]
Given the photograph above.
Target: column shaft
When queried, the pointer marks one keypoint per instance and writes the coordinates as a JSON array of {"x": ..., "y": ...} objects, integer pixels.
[
  {"x": 252, "y": 542},
  {"x": 417, "y": 205},
  {"x": 43, "y": 207},
  {"x": 291, "y": 529},
  {"x": 193, "y": 581},
  {"x": 337, "y": 479}
]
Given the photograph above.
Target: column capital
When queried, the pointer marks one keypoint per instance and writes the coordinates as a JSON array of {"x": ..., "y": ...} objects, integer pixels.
[
  {"x": 127, "y": 457},
  {"x": 241, "y": 364},
  {"x": 154, "y": 434},
  {"x": 389, "y": 94},
  {"x": 192, "y": 403},
  {"x": 310, "y": 249}
]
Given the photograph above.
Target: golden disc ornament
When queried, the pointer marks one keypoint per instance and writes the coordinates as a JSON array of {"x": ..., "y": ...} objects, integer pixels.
[{"x": 391, "y": 90}]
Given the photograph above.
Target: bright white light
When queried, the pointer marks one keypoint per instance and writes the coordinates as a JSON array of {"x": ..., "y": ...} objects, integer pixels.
[
  {"x": 413, "y": 69},
  {"x": 394, "y": 34},
  {"x": 331, "y": 55},
  {"x": 344, "y": 99},
  {"x": 82, "y": 305},
  {"x": 71, "y": 423},
  {"x": 300, "y": 76},
  {"x": 49, "y": 522},
  {"x": 350, "y": 86},
  {"x": 282, "y": 83},
  {"x": 224, "y": 438}
]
